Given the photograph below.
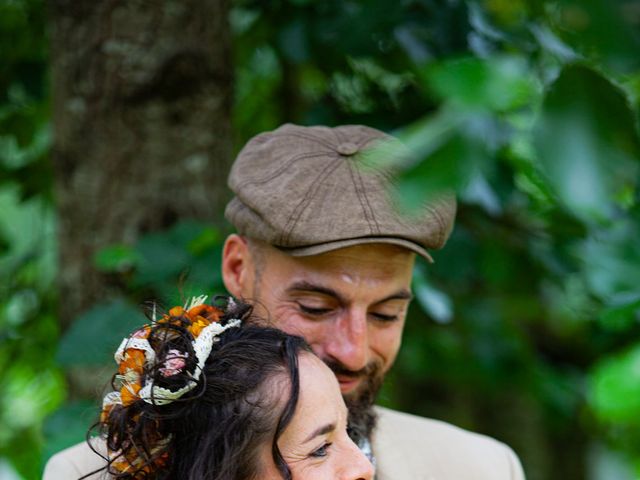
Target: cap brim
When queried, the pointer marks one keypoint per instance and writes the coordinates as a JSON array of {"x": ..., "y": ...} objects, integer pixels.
[{"x": 337, "y": 244}]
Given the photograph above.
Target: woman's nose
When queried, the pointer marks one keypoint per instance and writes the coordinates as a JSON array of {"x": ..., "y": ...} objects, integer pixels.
[{"x": 359, "y": 466}]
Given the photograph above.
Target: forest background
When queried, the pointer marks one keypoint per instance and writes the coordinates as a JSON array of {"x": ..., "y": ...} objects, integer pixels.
[{"x": 119, "y": 120}]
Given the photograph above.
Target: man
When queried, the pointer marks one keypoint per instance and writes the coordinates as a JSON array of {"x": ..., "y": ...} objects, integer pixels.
[{"x": 322, "y": 251}]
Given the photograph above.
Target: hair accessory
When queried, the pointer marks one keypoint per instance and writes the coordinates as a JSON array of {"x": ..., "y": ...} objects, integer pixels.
[
  {"x": 135, "y": 355},
  {"x": 202, "y": 345},
  {"x": 160, "y": 352},
  {"x": 174, "y": 363}
]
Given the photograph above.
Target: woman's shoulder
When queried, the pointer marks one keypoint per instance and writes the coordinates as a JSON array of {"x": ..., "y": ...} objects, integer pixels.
[{"x": 78, "y": 460}]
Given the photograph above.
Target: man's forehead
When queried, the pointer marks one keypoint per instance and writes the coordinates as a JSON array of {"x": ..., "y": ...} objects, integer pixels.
[
  {"x": 354, "y": 272},
  {"x": 369, "y": 257}
]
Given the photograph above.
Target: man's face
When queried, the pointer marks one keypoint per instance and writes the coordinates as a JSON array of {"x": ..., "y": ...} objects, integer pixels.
[{"x": 349, "y": 304}]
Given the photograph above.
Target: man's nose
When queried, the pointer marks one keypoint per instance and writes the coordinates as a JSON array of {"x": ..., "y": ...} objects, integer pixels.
[{"x": 349, "y": 342}]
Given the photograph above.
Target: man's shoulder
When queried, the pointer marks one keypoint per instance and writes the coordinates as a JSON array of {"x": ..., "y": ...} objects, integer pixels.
[
  {"x": 401, "y": 423},
  {"x": 76, "y": 461},
  {"x": 435, "y": 449}
]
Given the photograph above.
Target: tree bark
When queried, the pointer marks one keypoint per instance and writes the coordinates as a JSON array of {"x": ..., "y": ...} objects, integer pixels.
[{"x": 142, "y": 126}]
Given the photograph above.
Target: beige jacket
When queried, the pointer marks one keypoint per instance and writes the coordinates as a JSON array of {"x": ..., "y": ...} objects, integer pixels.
[{"x": 406, "y": 448}]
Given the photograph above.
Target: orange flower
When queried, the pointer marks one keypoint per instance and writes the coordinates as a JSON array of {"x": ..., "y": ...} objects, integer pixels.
[
  {"x": 196, "y": 327},
  {"x": 176, "y": 312},
  {"x": 133, "y": 360},
  {"x": 139, "y": 467},
  {"x": 162, "y": 460},
  {"x": 121, "y": 466},
  {"x": 202, "y": 316},
  {"x": 104, "y": 415},
  {"x": 129, "y": 393},
  {"x": 211, "y": 313}
]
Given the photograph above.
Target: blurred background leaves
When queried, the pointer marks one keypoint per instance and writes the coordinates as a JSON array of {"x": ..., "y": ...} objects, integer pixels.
[{"x": 526, "y": 327}]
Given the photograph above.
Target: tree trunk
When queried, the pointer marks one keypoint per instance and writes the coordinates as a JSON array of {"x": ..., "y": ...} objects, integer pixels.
[{"x": 142, "y": 126}]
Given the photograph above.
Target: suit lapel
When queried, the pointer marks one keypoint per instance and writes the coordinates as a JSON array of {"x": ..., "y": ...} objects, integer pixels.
[{"x": 388, "y": 448}]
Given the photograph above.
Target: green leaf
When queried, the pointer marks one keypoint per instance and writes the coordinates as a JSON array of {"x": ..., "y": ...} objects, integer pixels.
[
  {"x": 499, "y": 83},
  {"x": 68, "y": 426},
  {"x": 434, "y": 302},
  {"x": 586, "y": 142},
  {"x": 448, "y": 168},
  {"x": 28, "y": 395},
  {"x": 95, "y": 335},
  {"x": 186, "y": 232},
  {"x": 23, "y": 459},
  {"x": 615, "y": 388},
  {"x": 390, "y": 83},
  {"x": 611, "y": 261},
  {"x": 602, "y": 29},
  {"x": 207, "y": 239},
  {"x": 116, "y": 258},
  {"x": 293, "y": 41},
  {"x": 161, "y": 258},
  {"x": 165, "y": 256},
  {"x": 621, "y": 316}
]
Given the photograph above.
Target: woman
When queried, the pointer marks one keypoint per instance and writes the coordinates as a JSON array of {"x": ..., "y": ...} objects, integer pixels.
[{"x": 200, "y": 396}]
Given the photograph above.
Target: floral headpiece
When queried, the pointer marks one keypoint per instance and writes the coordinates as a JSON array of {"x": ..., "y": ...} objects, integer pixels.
[{"x": 136, "y": 359}]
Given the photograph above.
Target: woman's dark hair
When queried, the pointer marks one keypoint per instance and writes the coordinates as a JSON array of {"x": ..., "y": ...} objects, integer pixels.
[{"x": 217, "y": 430}]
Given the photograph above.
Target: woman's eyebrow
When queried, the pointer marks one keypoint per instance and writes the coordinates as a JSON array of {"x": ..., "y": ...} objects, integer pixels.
[{"x": 328, "y": 428}]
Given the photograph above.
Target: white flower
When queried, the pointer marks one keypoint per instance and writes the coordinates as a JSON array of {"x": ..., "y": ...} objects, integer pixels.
[{"x": 173, "y": 363}]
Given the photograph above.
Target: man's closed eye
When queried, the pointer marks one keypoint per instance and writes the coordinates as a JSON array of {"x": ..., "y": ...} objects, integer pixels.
[{"x": 313, "y": 310}]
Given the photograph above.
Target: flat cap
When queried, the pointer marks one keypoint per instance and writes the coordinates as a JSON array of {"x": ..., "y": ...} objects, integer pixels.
[{"x": 310, "y": 190}]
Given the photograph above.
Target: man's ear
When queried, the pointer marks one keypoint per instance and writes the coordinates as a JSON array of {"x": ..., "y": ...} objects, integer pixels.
[{"x": 237, "y": 266}]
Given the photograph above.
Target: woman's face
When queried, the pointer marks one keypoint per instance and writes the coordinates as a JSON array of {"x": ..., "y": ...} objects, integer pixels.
[{"x": 315, "y": 444}]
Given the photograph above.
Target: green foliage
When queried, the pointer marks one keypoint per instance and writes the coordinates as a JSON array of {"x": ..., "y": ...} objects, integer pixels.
[
  {"x": 31, "y": 385},
  {"x": 545, "y": 160},
  {"x": 24, "y": 110},
  {"x": 526, "y": 327},
  {"x": 187, "y": 250},
  {"x": 602, "y": 31},
  {"x": 587, "y": 143},
  {"x": 616, "y": 402},
  {"x": 116, "y": 259},
  {"x": 106, "y": 325},
  {"x": 161, "y": 270},
  {"x": 499, "y": 83},
  {"x": 66, "y": 425},
  {"x": 164, "y": 268}
]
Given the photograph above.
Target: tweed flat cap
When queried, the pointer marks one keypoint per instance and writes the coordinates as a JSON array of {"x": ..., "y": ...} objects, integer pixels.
[{"x": 310, "y": 190}]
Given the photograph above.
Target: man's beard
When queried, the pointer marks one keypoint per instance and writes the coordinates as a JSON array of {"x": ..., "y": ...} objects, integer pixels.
[{"x": 362, "y": 417}]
